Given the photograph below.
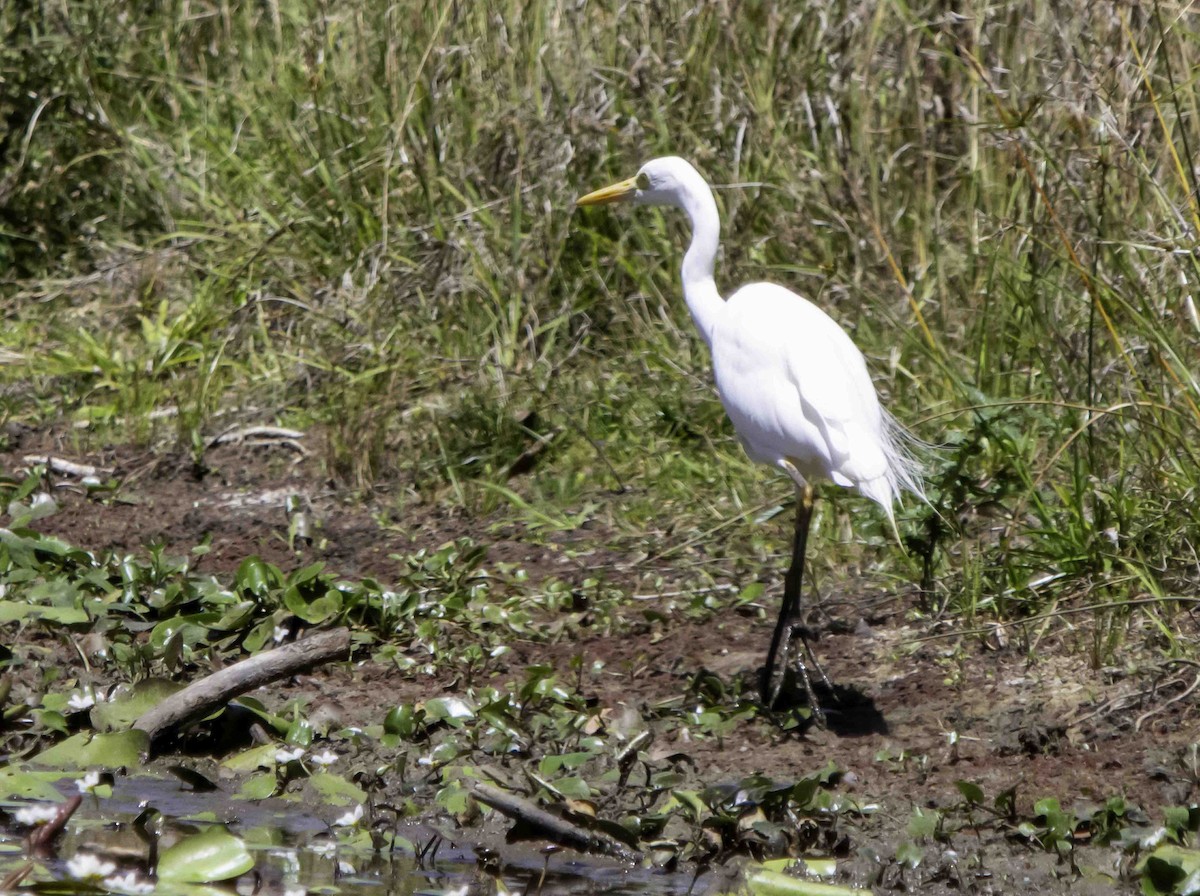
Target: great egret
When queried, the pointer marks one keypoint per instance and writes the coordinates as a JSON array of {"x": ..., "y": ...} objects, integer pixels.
[{"x": 792, "y": 382}]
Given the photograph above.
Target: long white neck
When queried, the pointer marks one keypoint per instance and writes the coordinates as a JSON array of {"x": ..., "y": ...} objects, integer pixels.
[{"x": 699, "y": 288}]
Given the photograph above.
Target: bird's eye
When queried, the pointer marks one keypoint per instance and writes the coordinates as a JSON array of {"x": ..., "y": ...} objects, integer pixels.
[{"x": 643, "y": 181}]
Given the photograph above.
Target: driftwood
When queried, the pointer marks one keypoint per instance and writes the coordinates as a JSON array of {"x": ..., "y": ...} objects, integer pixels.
[
  {"x": 560, "y": 830},
  {"x": 65, "y": 467},
  {"x": 201, "y": 698},
  {"x": 261, "y": 435}
]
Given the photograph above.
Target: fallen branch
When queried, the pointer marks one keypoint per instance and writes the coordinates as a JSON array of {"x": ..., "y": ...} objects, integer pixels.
[
  {"x": 560, "y": 830},
  {"x": 42, "y": 838},
  {"x": 203, "y": 697},
  {"x": 65, "y": 467},
  {"x": 257, "y": 436}
]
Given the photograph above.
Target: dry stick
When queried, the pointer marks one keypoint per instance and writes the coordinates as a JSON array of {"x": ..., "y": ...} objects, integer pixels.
[
  {"x": 558, "y": 829},
  {"x": 42, "y": 838},
  {"x": 201, "y": 698},
  {"x": 65, "y": 467}
]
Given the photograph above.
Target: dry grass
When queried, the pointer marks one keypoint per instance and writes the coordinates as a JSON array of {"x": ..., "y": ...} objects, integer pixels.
[{"x": 360, "y": 217}]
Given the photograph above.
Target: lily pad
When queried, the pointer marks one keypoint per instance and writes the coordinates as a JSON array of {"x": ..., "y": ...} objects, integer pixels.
[
  {"x": 101, "y": 750},
  {"x": 259, "y": 786},
  {"x": 203, "y": 858},
  {"x": 16, "y": 783}
]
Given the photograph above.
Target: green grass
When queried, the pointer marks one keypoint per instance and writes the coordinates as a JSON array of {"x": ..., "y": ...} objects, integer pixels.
[{"x": 358, "y": 219}]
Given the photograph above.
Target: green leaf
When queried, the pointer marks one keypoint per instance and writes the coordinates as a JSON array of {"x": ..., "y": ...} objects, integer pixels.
[
  {"x": 258, "y": 577},
  {"x": 402, "y": 721},
  {"x": 909, "y": 854},
  {"x": 452, "y": 710},
  {"x": 203, "y": 858},
  {"x": 131, "y": 705},
  {"x": 253, "y": 759},
  {"x": 924, "y": 824},
  {"x": 1178, "y": 819},
  {"x": 13, "y": 611},
  {"x": 1167, "y": 868},
  {"x": 336, "y": 790},
  {"x": 971, "y": 792},
  {"x": 763, "y": 882},
  {"x": 573, "y": 788},
  {"x": 259, "y": 787},
  {"x": 236, "y": 617},
  {"x": 552, "y": 764},
  {"x": 300, "y": 733},
  {"x": 18, "y": 784},
  {"x": 690, "y": 800},
  {"x": 86, "y": 750}
]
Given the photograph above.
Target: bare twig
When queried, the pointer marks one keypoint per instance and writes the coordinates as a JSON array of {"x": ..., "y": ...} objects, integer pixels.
[
  {"x": 65, "y": 467},
  {"x": 560, "y": 830},
  {"x": 42, "y": 837},
  {"x": 204, "y": 696},
  {"x": 261, "y": 435}
]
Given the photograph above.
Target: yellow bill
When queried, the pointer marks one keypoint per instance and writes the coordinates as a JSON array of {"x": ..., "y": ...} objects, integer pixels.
[{"x": 617, "y": 192}]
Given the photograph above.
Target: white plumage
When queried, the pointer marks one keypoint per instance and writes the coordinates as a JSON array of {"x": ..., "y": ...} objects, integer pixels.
[{"x": 794, "y": 385}]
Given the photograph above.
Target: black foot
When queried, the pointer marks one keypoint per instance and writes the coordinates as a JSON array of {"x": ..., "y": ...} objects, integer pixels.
[{"x": 773, "y": 679}]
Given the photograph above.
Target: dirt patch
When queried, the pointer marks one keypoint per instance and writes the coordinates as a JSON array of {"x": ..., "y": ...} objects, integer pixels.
[{"x": 920, "y": 707}]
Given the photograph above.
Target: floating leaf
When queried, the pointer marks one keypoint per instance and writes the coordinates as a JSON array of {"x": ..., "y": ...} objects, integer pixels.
[
  {"x": 764, "y": 882},
  {"x": 18, "y": 784},
  {"x": 334, "y": 789},
  {"x": 253, "y": 759},
  {"x": 259, "y": 787},
  {"x": 86, "y": 750},
  {"x": 129, "y": 706},
  {"x": 203, "y": 858}
]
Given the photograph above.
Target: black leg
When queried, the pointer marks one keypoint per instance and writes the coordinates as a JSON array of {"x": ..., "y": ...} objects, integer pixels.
[
  {"x": 789, "y": 623},
  {"x": 790, "y": 609}
]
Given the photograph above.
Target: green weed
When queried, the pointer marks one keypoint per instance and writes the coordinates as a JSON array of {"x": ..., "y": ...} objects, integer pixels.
[{"x": 359, "y": 219}]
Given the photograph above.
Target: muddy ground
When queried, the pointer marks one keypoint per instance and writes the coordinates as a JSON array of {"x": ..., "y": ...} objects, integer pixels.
[{"x": 924, "y": 704}]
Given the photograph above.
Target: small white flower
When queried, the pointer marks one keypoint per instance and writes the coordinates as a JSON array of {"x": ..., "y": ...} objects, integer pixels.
[
  {"x": 88, "y": 782},
  {"x": 327, "y": 758},
  {"x": 85, "y": 866},
  {"x": 82, "y": 701},
  {"x": 129, "y": 883},
  {"x": 33, "y": 816},
  {"x": 281, "y": 633},
  {"x": 294, "y": 891},
  {"x": 1152, "y": 839},
  {"x": 350, "y": 818},
  {"x": 345, "y": 867},
  {"x": 283, "y": 757},
  {"x": 324, "y": 848}
]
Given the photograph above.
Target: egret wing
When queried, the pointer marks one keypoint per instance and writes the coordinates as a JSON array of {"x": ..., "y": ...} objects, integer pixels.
[{"x": 815, "y": 400}]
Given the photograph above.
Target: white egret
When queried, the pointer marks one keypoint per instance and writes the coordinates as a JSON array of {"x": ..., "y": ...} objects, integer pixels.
[{"x": 792, "y": 382}]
